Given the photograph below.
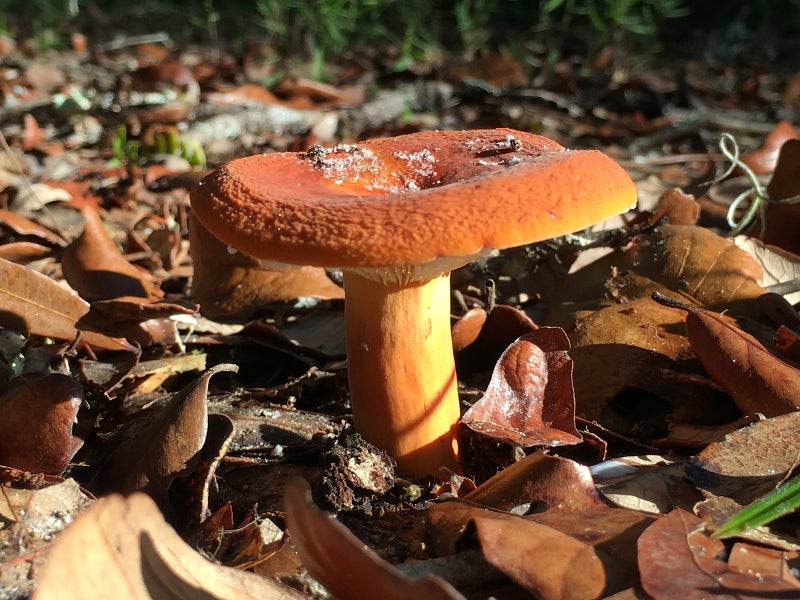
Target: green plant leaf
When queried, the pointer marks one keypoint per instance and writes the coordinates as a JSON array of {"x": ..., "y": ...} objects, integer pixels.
[{"x": 780, "y": 501}]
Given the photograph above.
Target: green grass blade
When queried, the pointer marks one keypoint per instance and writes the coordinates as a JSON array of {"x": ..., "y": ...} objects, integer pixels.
[{"x": 780, "y": 501}]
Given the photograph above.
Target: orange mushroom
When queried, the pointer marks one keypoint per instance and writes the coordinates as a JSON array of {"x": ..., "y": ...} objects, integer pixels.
[{"x": 397, "y": 214}]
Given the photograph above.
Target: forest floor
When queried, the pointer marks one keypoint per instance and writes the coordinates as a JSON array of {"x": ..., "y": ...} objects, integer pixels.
[{"x": 117, "y": 308}]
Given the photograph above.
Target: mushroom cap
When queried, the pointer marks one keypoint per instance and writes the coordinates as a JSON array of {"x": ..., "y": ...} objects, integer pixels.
[{"x": 410, "y": 199}]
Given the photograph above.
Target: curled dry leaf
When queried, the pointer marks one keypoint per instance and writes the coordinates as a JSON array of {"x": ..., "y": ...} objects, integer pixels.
[
  {"x": 758, "y": 381},
  {"x": 577, "y": 547},
  {"x": 541, "y": 478},
  {"x": 480, "y": 337},
  {"x": 529, "y": 400},
  {"x": 677, "y": 561},
  {"x": 677, "y": 208},
  {"x": 783, "y": 221},
  {"x": 149, "y": 458},
  {"x": 778, "y": 265},
  {"x": 36, "y": 428},
  {"x": 24, "y": 252},
  {"x": 197, "y": 489},
  {"x": 33, "y": 303},
  {"x": 226, "y": 283},
  {"x": 95, "y": 268},
  {"x": 123, "y": 549},
  {"x": 23, "y": 226},
  {"x": 341, "y": 562},
  {"x": 467, "y": 328},
  {"x": 782, "y": 216},
  {"x": 784, "y": 183},
  {"x": 141, "y": 320},
  {"x": 763, "y": 160}
]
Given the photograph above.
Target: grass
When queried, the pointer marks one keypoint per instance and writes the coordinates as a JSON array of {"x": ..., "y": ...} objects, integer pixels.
[{"x": 323, "y": 31}]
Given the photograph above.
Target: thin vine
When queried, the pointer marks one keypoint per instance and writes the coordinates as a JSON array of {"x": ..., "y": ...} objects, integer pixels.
[{"x": 757, "y": 194}]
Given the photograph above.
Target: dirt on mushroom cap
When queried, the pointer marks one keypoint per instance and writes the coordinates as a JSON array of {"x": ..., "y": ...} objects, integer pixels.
[{"x": 409, "y": 199}]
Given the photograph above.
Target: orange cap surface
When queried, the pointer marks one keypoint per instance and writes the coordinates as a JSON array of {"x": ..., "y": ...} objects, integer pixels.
[{"x": 409, "y": 199}]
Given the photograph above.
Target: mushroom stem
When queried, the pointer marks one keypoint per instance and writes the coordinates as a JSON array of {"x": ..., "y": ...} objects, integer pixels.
[{"x": 401, "y": 369}]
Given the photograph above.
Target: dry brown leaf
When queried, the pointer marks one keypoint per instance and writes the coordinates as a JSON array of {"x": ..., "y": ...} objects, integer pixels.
[
  {"x": 75, "y": 193},
  {"x": 32, "y": 198},
  {"x": 45, "y": 77},
  {"x": 629, "y": 594},
  {"x": 554, "y": 554},
  {"x": 689, "y": 436},
  {"x": 31, "y": 519},
  {"x": 758, "y": 381},
  {"x": 33, "y": 303},
  {"x": 781, "y": 215},
  {"x": 226, "y": 283},
  {"x": 123, "y": 549},
  {"x": 677, "y": 561},
  {"x": 467, "y": 328},
  {"x": 763, "y": 160},
  {"x": 480, "y": 337},
  {"x": 547, "y": 563},
  {"x": 788, "y": 342},
  {"x": 341, "y": 562},
  {"x": 141, "y": 320},
  {"x": 302, "y": 92},
  {"x": 707, "y": 267},
  {"x": 498, "y": 69},
  {"x": 677, "y": 208},
  {"x": 539, "y": 477},
  {"x": 716, "y": 510},
  {"x": 197, "y": 490},
  {"x": 97, "y": 270},
  {"x": 635, "y": 345},
  {"x": 575, "y": 521},
  {"x": 24, "y": 252},
  {"x": 749, "y": 559},
  {"x": 655, "y": 485},
  {"x": 36, "y": 428},
  {"x": 249, "y": 93},
  {"x": 255, "y": 542},
  {"x": 529, "y": 400},
  {"x": 778, "y": 266},
  {"x": 148, "y": 459},
  {"x": 612, "y": 532},
  {"x": 779, "y": 311},
  {"x": 686, "y": 259},
  {"x": 783, "y": 221},
  {"x": 784, "y": 183},
  {"x": 750, "y": 461},
  {"x": 23, "y": 226},
  {"x": 33, "y": 134}
]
